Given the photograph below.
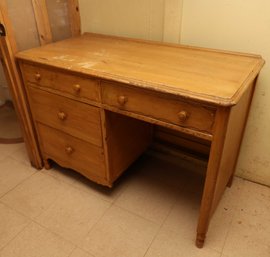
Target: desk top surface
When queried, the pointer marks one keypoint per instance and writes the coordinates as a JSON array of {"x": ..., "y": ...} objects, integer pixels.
[{"x": 211, "y": 76}]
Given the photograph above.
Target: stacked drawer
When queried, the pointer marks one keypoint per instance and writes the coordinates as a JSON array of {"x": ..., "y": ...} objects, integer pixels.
[{"x": 69, "y": 130}]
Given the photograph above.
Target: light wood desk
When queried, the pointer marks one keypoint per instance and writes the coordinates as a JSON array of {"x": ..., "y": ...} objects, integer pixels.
[{"x": 95, "y": 98}]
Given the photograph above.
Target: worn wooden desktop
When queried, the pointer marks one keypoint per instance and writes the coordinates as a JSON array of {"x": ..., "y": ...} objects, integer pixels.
[{"x": 95, "y": 98}]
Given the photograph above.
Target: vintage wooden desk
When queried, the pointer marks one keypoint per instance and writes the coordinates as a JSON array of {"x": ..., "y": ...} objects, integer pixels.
[{"x": 94, "y": 99}]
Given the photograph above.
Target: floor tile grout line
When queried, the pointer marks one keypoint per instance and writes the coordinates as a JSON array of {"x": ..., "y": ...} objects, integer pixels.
[
  {"x": 82, "y": 190},
  {"x": 135, "y": 214},
  {"x": 21, "y": 182},
  {"x": 94, "y": 225},
  {"x": 31, "y": 220},
  {"x": 2, "y": 248},
  {"x": 159, "y": 229},
  {"x": 55, "y": 234},
  {"x": 27, "y": 224}
]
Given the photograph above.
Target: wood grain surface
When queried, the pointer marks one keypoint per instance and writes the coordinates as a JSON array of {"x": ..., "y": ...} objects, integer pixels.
[{"x": 211, "y": 76}]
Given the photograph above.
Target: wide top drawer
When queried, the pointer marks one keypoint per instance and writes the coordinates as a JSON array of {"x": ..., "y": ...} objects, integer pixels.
[
  {"x": 159, "y": 107},
  {"x": 78, "y": 87}
]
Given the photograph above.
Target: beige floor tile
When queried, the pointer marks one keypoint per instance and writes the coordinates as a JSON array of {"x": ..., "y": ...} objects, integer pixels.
[
  {"x": 7, "y": 149},
  {"x": 183, "y": 217},
  {"x": 12, "y": 173},
  {"x": 248, "y": 236},
  {"x": 105, "y": 193},
  {"x": 223, "y": 216},
  {"x": 65, "y": 175},
  {"x": 34, "y": 195},
  {"x": 110, "y": 194},
  {"x": 148, "y": 198},
  {"x": 21, "y": 155},
  {"x": 35, "y": 241},
  {"x": 120, "y": 233},
  {"x": 255, "y": 199},
  {"x": 11, "y": 223},
  {"x": 171, "y": 244},
  {"x": 80, "y": 253},
  {"x": 73, "y": 215},
  {"x": 232, "y": 196}
]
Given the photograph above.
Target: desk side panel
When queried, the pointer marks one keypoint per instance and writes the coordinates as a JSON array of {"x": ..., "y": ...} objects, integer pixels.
[
  {"x": 125, "y": 139},
  {"x": 234, "y": 135}
]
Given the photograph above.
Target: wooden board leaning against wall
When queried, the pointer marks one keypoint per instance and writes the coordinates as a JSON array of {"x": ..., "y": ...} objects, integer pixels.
[{"x": 8, "y": 49}]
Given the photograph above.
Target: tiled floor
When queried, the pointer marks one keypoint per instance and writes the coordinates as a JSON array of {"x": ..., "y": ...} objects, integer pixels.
[{"x": 151, "y": 212}]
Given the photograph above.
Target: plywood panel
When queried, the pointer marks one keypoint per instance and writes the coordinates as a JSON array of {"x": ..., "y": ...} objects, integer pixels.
[
  {"x": 23, "y": 21},
  {"x": 59, "y": 19}
]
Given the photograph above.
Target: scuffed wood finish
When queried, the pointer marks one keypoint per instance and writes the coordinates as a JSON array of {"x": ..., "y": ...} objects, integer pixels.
[
  {"x": 227, "y": 141},
  {"x": 234, "y": 133},
  {"x": 62, "y": 82},
  {"x": 8, "y": 49},
  {"x": 126, "y": 86},
  {"x": 157, "y": 106},
  {"x": 73, "y": 153},
  {"x": 42, "y": 20},
  {"x": 69, "y": 116},
  {"x": 74, "y": 17},
  {"x": 126, "y": 139},
  {"x": 202, "y": 75}
]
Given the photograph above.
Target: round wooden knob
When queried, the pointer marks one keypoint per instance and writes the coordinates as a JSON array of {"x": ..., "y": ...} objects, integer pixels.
[
  {"x": 122, "y": 99},
  {"x": 183, "y": 115},
  {"x": 62, "y": 115},
  {"x": 69, "y": 150},
  {"x": 37, "y": 76},
  {"x": 77, "y": 88}
]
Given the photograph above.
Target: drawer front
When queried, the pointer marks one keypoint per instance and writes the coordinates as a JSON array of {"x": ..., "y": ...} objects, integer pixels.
[
  {"x": 158, "y": 107},
  {"x": 76, "y": 86},
  {"x": 71, "y": 152},
  {"x": 72, "y": 117}
]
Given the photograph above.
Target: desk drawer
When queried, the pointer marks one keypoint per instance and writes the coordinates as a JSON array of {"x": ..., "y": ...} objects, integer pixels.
[
  {"x": 158, "y": 106},
  {"x": 71, "y": 152},
  {"x": 72, "y": 117},
  {"x": 74, "y": 85}
]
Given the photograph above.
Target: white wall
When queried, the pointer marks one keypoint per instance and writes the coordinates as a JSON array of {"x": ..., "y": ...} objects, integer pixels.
[
  {"x": 240, "y": 25},
  {"x": 147, "y": 19}
]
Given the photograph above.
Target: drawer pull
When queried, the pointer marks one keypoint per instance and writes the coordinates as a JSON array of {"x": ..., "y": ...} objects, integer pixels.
[
  {"x": 37, "y": 76},
  {"x": 77, "y": 88},
  {"x": 62, "y": 115},
  {"x": 183, "y": 115},
  {"x": 69, "y": 150},
  {"x": 122, "y": 99}
]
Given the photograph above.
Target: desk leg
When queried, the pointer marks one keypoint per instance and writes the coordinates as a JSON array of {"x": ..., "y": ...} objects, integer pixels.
[
  {"x": 228, "y": 132},
  {"x": 210, "y": 192}
]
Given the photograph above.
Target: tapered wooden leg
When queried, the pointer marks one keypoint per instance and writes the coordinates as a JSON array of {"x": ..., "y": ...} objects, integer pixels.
[
  {"x": 200, "y": 239},
  {"x": 212, "y": 186},
  {"x": 47, "y": 164}
]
